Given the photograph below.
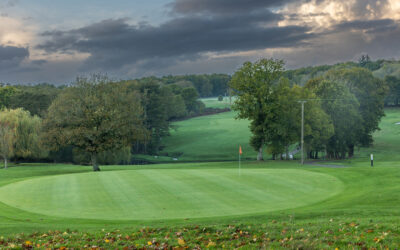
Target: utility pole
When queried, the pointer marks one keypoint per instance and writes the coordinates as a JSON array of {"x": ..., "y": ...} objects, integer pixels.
[{"x": 302, "y": 131}]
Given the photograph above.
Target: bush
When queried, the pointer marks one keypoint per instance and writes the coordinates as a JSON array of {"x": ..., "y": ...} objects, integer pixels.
[{"x": 220, "y": 98}]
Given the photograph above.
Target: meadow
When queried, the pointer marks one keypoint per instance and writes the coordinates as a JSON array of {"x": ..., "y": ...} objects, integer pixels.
[{"x": 346, "y": 204}]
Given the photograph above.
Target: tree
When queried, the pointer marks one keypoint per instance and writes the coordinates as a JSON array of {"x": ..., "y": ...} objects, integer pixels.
[
  {"x": 190, "y": 97},
  {"x": 161, "y": 105},
  {"x": 393, "y": 96},
  {"x": 318, "y": 127},
  {"x": 36, "y": 99},
  {"x": 364, "y": 60},
  {"x": 342, "y": 107},
  {"x": 19, "y": 134},
  {"x": 253, "y": 84},
  {"x": 95, "y": 115},
  {"x": 6, "y": 93},
  {"x": 370, "y": 92},
  {"x": 7, "y": 139},
  {"x": 28, "y": 132}
]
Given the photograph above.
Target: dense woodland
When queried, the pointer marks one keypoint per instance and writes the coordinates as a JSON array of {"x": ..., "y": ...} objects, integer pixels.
[
  {"x": 82, "y": 122},
  {"x": 162, "y": 100}
]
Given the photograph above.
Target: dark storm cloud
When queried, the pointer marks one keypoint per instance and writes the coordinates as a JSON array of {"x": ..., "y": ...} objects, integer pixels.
[
  {"x": 11, "y": 56},
  {"x": 223, "y": 6},
  {"x": 114, "y": 43},
  {"x": 368, "y": 25}
]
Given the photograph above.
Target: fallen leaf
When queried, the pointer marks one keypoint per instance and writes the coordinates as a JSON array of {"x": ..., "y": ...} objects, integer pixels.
[{"x": 181, "y": 242}]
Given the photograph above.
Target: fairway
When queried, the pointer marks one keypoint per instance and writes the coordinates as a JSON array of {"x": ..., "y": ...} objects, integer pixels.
[
  {"x": 155, "y": 194},
  {"x": 210, "y": 138}
]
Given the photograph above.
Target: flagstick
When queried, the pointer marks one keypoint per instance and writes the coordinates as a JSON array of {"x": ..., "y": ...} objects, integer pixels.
[{"x": 239, "y": 165}]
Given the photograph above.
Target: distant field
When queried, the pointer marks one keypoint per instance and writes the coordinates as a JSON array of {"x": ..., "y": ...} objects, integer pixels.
[{"x": 213, "y": 102}]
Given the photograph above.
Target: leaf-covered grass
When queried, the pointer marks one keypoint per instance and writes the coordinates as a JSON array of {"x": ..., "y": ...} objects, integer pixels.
[{"x": 329, "y": 234}]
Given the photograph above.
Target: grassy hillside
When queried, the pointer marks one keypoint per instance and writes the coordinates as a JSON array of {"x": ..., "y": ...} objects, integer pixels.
[
  {"x": 387, "y": 140},
  {"x": 209, "y": 138},
  {"x": 217, "y": 137}
]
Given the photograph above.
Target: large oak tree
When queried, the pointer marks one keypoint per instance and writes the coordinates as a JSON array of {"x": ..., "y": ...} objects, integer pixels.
[{"x": 95, "y": 115}]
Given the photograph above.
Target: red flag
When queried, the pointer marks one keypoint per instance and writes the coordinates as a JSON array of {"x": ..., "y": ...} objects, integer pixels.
[{"x": 240, "y": 150}]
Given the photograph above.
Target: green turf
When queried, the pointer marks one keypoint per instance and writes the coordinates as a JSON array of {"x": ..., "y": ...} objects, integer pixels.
[
  {"x": 387, "y": 140},
  {"x": 169, "y": 194},
  {"x": 210, "y": 138},
  {"x": 360, "y": 207}
]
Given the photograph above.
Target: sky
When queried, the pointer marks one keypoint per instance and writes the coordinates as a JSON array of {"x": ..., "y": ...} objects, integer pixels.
[{"x": 55, "y": 41}]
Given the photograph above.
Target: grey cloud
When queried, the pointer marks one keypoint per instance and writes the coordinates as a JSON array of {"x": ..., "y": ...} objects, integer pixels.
[
  {"x": 378, "y": 25},
  {"x": 39, "y": 62},
  {"x": 223, "y": 6},
  {"x": 344, "y": 45},
  {"x": 113, "y": 44},
  {"x": 11, "y": 56}
]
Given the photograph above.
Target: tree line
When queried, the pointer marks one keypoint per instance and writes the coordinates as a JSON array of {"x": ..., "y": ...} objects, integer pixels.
[
  {"x": 343, "y": 108},
  {"x": 99, "y": 120},
  {"x": 94, "y": 120}
]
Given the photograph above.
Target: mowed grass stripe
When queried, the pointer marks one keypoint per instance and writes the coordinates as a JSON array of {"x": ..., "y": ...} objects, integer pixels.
[
  {"x": 238, "y": 185},
  {"x": 168, "y": 193},
  {"x": 186, "y": 195},
  {"x": 203, "y": 184}
]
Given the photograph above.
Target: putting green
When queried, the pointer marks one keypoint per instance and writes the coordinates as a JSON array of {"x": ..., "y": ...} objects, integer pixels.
[{"x": 169, "y": 194}]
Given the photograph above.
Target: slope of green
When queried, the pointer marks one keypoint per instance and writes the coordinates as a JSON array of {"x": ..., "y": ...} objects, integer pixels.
[
  {"x": 386, "y": 145},
  {"x": 217, "y": 137},
  {"x": 169, "y": 194},
  {"x": 210, "y": 138}
]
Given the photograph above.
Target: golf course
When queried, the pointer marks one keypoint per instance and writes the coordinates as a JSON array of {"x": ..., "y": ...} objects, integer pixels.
[{"x": 273, "y": 204}]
